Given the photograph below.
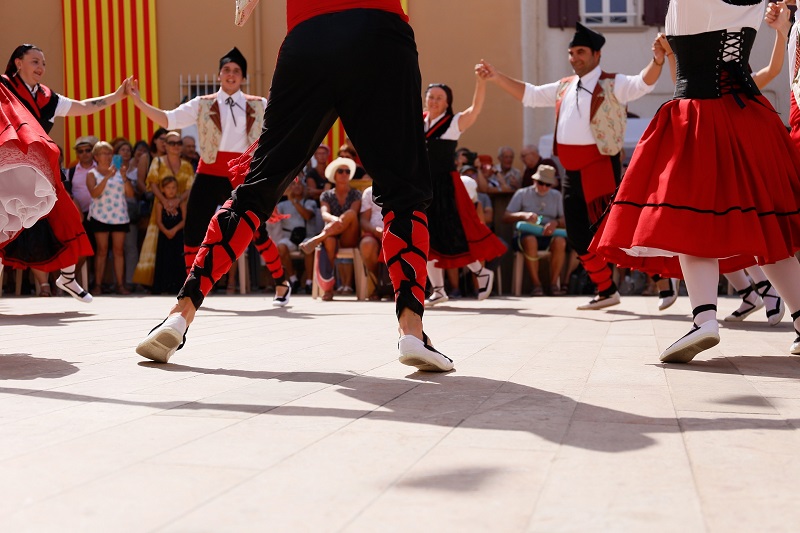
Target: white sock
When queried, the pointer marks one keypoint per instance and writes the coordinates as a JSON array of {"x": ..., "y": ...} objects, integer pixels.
[
  {"x": 293, "y": 278},
  {"x": 475, "y": 267},
  {"x": 436, "y": 276},
  {"x": 785, "y": 277},
  {"x": 701, "y": 276}
]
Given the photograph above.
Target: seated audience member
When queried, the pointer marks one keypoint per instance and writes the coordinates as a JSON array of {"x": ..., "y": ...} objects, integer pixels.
[
  {"x": 464, "y": 156},
  {"x": 489, "y": 181},
  {"x": 531, "y": 159},
  {"x": 371, "y": 238},
  {"x": 540, "y": 204},
  {"x": 483, "y": 198},
  {"x": 504, "y": 169},
  {"x": 347, "y": 150},
  {"x": 340, "y": 208},
  {"x": 292, "y": 231},
  {"x": 316, "y": 183}
]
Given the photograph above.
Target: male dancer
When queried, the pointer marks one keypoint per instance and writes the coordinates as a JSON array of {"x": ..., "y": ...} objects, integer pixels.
[
  {"x": 311, "y": 87},
  {"x": 228, "y": 121},
  {"x": 590, "y": 129}
]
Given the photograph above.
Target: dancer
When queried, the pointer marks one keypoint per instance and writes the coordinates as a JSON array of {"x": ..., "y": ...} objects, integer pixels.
[
  {"x": 376, "y": 94},
  {"x": 590, "y": 129},
  {"x": 458, "y": 238},
  {"x": 227, "y": 121},
  {"x": 759, "y": 293},
  {"x": 40, "y": 226},
  {"x": 675, "y": 212}
]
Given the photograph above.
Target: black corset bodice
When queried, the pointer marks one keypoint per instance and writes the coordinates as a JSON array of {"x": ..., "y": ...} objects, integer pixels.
[
  {"x": 441, "y": 155},
  {"x": 714, "y": 63}
]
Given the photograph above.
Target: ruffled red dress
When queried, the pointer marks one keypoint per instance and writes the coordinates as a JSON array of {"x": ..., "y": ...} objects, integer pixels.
[
  {"x": 40, "y": 226},
  {"x": 715, "y": 175}
]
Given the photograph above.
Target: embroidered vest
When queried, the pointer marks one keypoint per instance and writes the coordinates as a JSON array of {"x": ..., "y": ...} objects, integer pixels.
[
  {"x": 608, "y": 118},
  {"x": 209, "y": 124}
]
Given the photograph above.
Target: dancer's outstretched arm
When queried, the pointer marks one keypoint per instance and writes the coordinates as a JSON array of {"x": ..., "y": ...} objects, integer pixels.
[
  {"x": 153, "y": 113},
  {"x": 486, "y": 71},
  {"x": 470, "y": 114},
  {"x": 80, "y": 108}
]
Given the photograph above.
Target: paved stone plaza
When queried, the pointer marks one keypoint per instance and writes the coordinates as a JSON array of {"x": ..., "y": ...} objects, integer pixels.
[{"x": 302, "y": 419}]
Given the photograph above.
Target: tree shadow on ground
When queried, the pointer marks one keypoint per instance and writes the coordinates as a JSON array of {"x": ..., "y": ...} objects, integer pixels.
[
  {"x": 23, "y": 366},
  {"x": 465, "y": 402}
]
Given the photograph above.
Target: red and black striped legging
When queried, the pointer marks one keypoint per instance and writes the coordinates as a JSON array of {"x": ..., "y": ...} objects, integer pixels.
[{"x": 376, "y": 93}]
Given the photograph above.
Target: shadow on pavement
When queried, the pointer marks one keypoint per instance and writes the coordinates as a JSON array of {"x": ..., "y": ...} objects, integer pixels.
[
  {"x": 453, "y": 401},
  {"x": 24, "y": 366}
]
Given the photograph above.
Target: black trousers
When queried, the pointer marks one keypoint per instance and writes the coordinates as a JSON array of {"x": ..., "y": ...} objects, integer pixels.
[
  {"x": 206, "y": 195},
  {"x": 360, "y": 65},
  {"x": 576, "y": 215}
]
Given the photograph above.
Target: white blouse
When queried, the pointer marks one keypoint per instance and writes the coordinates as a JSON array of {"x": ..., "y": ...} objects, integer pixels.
[{"x": 690, "y": 17}]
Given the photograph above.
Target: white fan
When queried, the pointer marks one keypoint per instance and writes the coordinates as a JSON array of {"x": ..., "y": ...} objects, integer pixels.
[{"x": 244, "y": 8}]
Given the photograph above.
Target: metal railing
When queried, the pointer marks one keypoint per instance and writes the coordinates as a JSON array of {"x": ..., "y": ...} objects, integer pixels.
[{"x": 192, "y": 86}]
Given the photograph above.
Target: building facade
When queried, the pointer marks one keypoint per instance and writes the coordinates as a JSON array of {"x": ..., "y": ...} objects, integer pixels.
[{"x": 526, "y": 39}]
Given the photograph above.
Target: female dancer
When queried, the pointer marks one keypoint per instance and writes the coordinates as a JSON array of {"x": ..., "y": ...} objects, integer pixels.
[
  {"x": 458, "y": 238},
  {"x": 32, "y": 190},
  {"x": 713, "y": 185},
  {"x": 759, "y": 293}
]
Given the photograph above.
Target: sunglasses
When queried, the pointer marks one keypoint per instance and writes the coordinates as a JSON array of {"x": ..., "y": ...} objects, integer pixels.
[
  {"x": 543, "y": 184},
  {"x": 175, "y": 143},
  {"x": 83, "y": 150},
  {"x": 343, "y": 171}
]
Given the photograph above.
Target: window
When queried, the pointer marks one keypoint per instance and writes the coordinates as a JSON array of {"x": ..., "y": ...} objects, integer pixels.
[
  {"x": 609, "y": 12},
  {"x": 564, "y": 14}
]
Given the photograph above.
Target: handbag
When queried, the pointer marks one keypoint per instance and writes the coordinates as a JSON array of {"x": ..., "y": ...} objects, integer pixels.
[{"x": 298, "y": 235}]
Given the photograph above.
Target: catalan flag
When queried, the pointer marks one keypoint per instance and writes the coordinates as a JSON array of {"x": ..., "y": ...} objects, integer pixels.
[
  {"x": 105, "y": 41},
  {"x": 337, "y": 135}
]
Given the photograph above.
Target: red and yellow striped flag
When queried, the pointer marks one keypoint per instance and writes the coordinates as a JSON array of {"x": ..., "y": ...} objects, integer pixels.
[
  {"x": 105, "y": 41},
  {"x": 337, "y": 135}
]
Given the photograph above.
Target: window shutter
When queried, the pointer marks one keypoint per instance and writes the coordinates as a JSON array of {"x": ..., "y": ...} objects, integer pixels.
[
  {"x": 655, "y": 12},
  {"x": 562, "y": 13}
]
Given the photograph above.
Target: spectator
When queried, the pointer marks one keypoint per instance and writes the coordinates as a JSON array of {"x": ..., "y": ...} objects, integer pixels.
[
  {"x": 108, "y": 214},
  {"x": 293, "y": 230},
  {"x": 372, "y": 234},
  {"x": 315, "y": 173},
  {"x": 531, "y": 159},
  {"x": 504, "y": 169},
  {"x": 465, "y": 157},
  {"x": 340, "y": 209},
  {"x": 483, "y": 198},
  {"x": 347, "y": 150},
  {"x": 489, "y": 181},
  {"x": 76, "y": 175},
  {"x": 189, "y": 151},
  {"x": 170, "y": 271},
  {"x": 157, "y": 148},
  {"x": 170, "y": 164},
  {"x": 542, "y": 205},
  {"x": 124, "y": 149}
]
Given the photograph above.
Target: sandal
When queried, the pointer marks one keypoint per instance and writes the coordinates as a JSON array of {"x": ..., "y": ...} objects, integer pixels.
[
  {"x": 327, "y": 296},
  {"x": 537, "y": 291},
  {"x": 44, "y": 290}
]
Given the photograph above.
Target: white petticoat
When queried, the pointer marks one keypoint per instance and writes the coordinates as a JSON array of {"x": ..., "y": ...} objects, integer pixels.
[{"x": 27, "y": 192}]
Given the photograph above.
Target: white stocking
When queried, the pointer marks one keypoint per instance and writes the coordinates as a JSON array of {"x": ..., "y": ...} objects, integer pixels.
[
  {"x": 785, "y": 277},
  {"x": 701, "y": 276},
  {"x": 436, "y": 276}
]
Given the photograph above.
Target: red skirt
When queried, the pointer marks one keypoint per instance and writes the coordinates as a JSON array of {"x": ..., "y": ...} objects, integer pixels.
[
  {"x": 708, "y": 179},
  {"x": 481, "y": 244},
  {"x": 58, "y": 239}
]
